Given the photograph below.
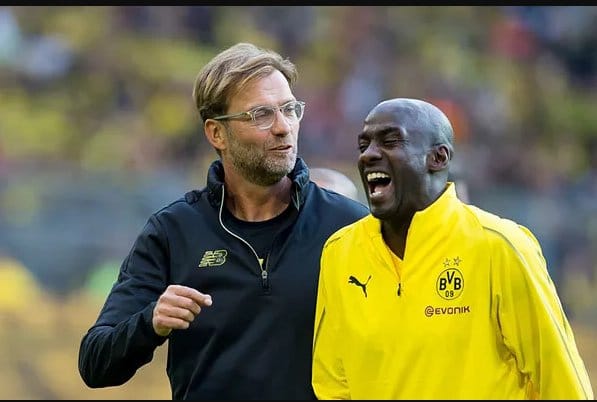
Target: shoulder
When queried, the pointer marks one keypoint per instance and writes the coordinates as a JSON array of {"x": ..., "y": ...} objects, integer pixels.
[
  {"x": 325, "y": 211},
  {"x": 351, "y": 233},
  {"x": 505, "y": 234},
  {"x": 333, "y": 200},
  {"x": 516, "y": 261},
  {"x": 189, "y": 203}
]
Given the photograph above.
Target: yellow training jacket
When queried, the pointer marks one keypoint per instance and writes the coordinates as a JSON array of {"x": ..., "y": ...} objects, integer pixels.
[{"x": 470, "y": 313}]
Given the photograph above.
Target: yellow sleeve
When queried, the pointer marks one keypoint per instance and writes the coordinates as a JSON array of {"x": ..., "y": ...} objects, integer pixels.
[
  {"x": 328, "y": 377},
  {"x": 533, "y": 324}
]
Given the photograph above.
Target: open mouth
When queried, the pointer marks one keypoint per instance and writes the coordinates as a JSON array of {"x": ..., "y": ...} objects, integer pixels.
[{"x": 378, "y": 182}]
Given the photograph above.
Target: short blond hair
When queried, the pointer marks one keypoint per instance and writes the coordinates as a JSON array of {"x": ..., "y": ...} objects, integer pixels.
[{"x": 230, "y": 70}]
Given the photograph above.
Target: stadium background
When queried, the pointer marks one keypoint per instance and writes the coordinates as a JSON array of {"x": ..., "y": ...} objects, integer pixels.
[{"x": 98, "y": 130}]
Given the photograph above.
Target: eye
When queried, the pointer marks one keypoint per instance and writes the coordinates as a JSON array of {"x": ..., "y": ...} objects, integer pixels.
[
  {"x": 290, "y": 109},
  {"x": 392, "y": 140},
  {"x": 262, "y": 114},
  {"x": 363, "y": 145}
]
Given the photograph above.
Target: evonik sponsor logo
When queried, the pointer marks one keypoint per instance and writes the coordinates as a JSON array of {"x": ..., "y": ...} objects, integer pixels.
[{"x": 430, "y": 311}]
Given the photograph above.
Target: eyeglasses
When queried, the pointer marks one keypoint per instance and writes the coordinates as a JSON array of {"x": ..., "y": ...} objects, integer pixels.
[{"x": 263, "y": 117}]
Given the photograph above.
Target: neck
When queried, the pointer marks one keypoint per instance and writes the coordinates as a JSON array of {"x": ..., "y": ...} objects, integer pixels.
[
  {"x": 394, "y": 234},
  {"x": 251, "y": 202}
]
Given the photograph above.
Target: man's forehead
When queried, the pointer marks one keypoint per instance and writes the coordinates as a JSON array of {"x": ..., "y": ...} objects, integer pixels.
[
  {"x": 381, "y": 118},
  {"x": 382, "y": 127},
  {"x": 396, "y": 113}
]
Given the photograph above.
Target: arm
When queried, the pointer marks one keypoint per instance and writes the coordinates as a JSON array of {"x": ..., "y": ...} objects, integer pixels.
[
  {"x": 123, "y": 339},
  {"x": 328, "y": 378},
  {"x": 534, "y": 326}
]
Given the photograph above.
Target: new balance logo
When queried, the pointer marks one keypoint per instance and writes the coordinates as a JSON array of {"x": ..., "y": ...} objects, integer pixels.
[
  {"x": 213, "y": 258},
  {"x": 363, "y": 286}
]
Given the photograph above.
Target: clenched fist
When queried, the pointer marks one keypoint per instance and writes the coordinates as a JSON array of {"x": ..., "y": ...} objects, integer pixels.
[{"x": 177, "y": 307}]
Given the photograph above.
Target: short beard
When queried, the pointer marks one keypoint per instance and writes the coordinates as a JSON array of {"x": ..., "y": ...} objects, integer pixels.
[
  {"x": 261, "y": 171},
  {"x": 255, "y": 167}
]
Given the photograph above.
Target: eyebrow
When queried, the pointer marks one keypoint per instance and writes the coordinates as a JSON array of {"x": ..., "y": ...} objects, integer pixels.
[
  {"x": 385, "y": 130},
  {"x": 389, "y": 130},
  {"x": 271, "y": 105}
]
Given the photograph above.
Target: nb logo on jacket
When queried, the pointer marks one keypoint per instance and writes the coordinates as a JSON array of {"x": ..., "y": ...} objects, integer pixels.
[{"x": 213, "y": 258}]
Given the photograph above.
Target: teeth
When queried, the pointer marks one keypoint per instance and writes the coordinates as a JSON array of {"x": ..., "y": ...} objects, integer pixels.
[{"x": 377, "y": 175}]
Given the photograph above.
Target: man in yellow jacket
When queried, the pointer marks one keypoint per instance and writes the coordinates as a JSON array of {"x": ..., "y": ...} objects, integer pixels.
[{"x": 431, "y": 298}]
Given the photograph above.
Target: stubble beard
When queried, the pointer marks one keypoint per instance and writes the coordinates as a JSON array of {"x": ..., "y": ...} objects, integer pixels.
[{"x": 258, "y": 168}]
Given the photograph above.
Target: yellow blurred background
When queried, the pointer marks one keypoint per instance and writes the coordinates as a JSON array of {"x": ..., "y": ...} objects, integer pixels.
[{"x": 98, "y": 130}]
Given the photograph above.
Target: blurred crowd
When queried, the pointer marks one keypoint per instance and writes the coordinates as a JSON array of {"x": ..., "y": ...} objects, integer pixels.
[{"x": 98, "y": 128}]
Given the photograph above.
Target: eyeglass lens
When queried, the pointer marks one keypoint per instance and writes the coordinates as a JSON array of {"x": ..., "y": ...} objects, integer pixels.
[{"x": 264, "y": 116}]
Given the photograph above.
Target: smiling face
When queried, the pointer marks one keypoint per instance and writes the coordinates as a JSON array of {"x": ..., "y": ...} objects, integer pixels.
[
  {"x": 261, "y": 156},
  {"x": 402, "y": 163}
]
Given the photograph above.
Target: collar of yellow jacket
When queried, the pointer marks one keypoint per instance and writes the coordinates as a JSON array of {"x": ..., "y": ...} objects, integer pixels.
[{"x": 439, "y": 211}]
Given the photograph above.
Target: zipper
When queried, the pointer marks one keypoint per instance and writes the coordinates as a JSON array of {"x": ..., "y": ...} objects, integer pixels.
[
  {"x": 398, "y": 265},
  {"x": 264, "y": 279},
  {"x": 264, "y": 275}
]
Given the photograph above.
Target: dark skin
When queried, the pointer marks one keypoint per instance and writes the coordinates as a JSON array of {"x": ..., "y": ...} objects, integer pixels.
[{"x": 405, "y": 150}]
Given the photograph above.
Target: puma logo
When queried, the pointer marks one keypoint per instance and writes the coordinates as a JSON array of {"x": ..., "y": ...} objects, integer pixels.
[{"x": 363, "y": 286}]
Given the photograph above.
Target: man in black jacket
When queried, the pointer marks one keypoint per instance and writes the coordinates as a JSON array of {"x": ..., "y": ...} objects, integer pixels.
[{"x": 228, "y": 274}]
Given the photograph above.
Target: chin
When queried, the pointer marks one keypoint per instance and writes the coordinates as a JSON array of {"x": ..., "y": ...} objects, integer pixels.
[{"x": 381, "y": 213}]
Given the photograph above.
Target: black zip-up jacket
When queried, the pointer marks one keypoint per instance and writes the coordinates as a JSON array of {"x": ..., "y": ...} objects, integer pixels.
[{"x": 255, "y": 341}]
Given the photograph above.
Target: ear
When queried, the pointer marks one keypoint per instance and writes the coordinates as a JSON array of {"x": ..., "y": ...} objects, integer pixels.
[
  {"x": 438, "y": 158},
  {"x": 214, "y": 132}
]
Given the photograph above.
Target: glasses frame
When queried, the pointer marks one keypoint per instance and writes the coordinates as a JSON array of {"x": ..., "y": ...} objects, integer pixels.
[{"x": 250, "y": 114}]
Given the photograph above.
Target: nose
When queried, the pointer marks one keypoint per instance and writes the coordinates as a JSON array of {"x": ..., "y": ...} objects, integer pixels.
[
  {"x": 369, "y": 154},
  {"x": 281, "y": 125}
]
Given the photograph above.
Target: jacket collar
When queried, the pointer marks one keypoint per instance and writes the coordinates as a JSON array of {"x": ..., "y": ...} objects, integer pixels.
[
  {"x": 441, "y": 210},
  {"x": 299, "y": 177}
]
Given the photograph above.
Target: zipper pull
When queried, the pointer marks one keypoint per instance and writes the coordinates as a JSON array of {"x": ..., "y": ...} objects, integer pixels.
[
  {"x": 264, "y": 279},
  {"x": 399, "y": 291}
]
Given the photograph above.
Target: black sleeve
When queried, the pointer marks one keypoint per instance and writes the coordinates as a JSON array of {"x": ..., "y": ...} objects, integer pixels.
[{"x": 122, "y": 339}]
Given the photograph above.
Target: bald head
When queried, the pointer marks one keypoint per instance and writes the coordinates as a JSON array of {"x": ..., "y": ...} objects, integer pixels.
[
  {"x": 418, "y": 117},
  {"x": 406, "y": 147}
]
